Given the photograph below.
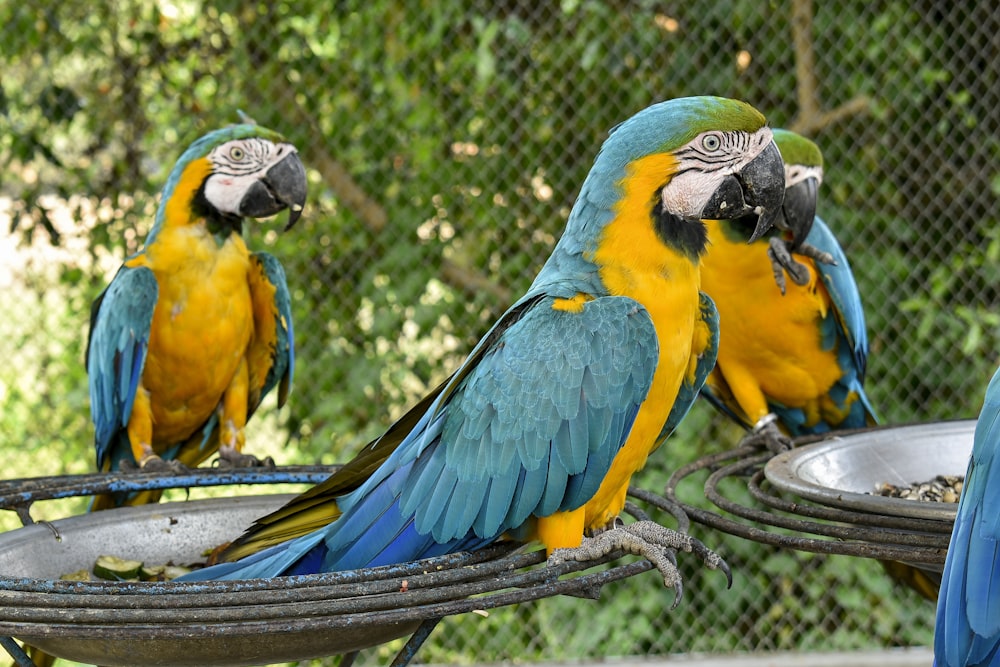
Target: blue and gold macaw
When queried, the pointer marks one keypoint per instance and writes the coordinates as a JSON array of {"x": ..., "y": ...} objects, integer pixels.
[
  {"x": 537, "y": 434},
  {"x": 967, "y": 631},
  {"x": 791, "y": 361},
  {"x": 806, "y": 375},
  {"x": 194, "y": 329}
]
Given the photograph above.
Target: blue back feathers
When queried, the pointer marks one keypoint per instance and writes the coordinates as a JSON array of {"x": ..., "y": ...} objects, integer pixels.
[
  {"x": 968, "y": 612},
  {"x": 531, "y": 422}
]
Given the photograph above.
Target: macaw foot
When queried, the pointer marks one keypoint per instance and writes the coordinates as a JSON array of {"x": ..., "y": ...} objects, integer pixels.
[
  {"x": 230, "y": 458},
  {"x": 154, "y": 464},
  {"x": 650, "y": 540},
  {"x": 821, "y": 256},
  {"x": 766, "y": 433},
  {"x": 782, "y": 261}
]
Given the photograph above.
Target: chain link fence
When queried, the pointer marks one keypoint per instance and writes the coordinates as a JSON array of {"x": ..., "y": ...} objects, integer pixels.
[{"x": 445, "y": 144}]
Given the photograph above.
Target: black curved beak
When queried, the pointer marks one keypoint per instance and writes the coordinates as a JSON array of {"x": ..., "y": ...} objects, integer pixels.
[
  {"x": 799, "y": 209},
  {"x": 757, "y": 190},
  {"x": 283, "y": 186}
]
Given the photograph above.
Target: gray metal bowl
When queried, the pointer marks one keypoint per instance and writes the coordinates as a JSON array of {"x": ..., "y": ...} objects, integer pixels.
[
  {"x": 245, "y": 622},
  {"x": 845, "y": 471},
  {"x": 120, "y": 623}
]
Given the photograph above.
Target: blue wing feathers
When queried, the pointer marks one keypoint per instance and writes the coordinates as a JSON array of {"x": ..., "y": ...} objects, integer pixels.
[
  {"x": 116, "y": 354},
  {"x": 138, "y": 347},
  {"x": 553, "y": 489},
  {"x": 461, "y": 513},
  {"x": 840, "y": 283},
  {"x": 968, "y": 617},
  {"x": 499, "y": 496},
  {"x": 428, "y": 512},
  {"x": 511, "y": 437},
  {"x": 531, "y": 486},
  {"x": 425, "y": 472},
  {"x": 573, "y": 444},
  {"x": 282, "y": 370}
]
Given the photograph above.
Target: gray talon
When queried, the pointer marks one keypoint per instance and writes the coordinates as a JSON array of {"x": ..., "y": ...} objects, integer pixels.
[
  {"x": 780, "y": 254},
  {"x": 650, "y": 540},
  {"x": 821, "y": 256},
  {"x": 766, "y": 433},
  {"x": 153, "y": 464},
  {"x": 230, "y": 458}
]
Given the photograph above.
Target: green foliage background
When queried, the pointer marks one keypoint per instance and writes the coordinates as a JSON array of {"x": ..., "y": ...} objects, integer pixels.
[{"x": 446, "y": 143}]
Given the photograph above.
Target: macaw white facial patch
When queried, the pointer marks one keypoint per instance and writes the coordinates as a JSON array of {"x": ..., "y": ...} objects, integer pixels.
[
  {"x": 796, "y": 173},
  {"x": 704, "y": 162},
  {"x": 237, "y": 165}
]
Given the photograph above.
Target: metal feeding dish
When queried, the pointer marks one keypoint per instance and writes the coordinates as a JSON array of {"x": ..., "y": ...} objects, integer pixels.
[
  {"x": 248, "y": 622},
  {"x": 846, "y": 471},
  {"x": 821, "y": 496},
  {"x": 178, "y": 532}
]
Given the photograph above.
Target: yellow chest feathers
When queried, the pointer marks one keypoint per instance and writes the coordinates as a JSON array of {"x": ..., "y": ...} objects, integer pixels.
[
  {"x": 771, "y": 338},
  {"x": 634, "y": 261},
  {"x": 188, "y": 261},
  {"x": 202, "y": 323}
]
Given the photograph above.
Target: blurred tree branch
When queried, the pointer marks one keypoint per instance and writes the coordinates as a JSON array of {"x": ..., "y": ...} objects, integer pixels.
[
  {"x": 371, "y": 213},
  {"x": 811, "y": 117},
  {"x": 474, "y": 283},
  {"x": 350, "y": 194}
]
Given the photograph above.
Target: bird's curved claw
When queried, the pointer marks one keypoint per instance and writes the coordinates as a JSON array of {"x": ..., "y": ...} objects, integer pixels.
[
  {"x": 656, "y": 543},
  {"x": 766, "y": 434},
  {"x": 229, "y": 457},
  {"x": 821, "y": 256},
  {"x": 153, "y": 463},
  {"x": 782, "y": 261},
  {"x": 611, "y": 525}
]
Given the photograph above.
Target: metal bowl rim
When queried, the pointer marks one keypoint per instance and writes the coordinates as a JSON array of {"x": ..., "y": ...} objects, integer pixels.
[{"x": 782, "y": 472}]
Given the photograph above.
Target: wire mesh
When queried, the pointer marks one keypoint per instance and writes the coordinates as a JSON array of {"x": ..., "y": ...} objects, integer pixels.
[{"x": 445, "y": 144}]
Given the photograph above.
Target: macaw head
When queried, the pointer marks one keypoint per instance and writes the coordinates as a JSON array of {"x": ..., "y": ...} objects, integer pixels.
[
  {"x": 686, "y": 160},
  {"x": 803, "y": 176},
  {"x": 241, "y": 171}
]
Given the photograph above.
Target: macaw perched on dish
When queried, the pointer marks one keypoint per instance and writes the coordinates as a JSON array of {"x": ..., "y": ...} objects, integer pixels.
[
  {"x": 537, "y": 434},
  {"x": 791, "y": 359},
  {"x": 194, "y": 329},
  {"x": 967, "y": 631}
]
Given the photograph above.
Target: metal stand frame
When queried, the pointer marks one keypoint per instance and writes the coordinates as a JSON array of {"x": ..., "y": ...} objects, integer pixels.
[
  {"x": 503, "y": 574},
  {"x": 838, "y": 531}
]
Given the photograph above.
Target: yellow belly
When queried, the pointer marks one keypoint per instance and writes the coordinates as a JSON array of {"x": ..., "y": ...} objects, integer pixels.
[
  {"x": 633, "y": 261},
  {"x": 769, "y": 344},
  {"x": 673, "y": 305},
  {"x": 201, "y": 328}
]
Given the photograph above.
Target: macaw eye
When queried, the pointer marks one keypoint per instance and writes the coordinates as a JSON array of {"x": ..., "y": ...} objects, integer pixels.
[
  {"x": 237, "y": 153},
  {"x": 711, "y": 142}
]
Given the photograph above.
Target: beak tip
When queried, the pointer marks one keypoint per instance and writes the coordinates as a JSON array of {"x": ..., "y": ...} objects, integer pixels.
[
  {"x": 294, "y": 213},
  {"x": 293, "y": 186},
  {"x": 765, "y": 221}
]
